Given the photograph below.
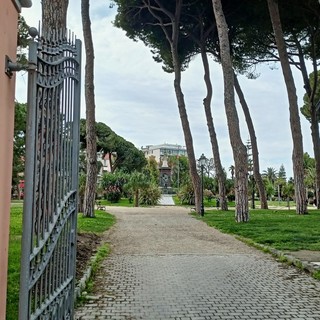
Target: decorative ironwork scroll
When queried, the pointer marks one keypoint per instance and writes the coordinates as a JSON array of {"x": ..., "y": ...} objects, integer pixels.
[{"x": 51, "y": 179}]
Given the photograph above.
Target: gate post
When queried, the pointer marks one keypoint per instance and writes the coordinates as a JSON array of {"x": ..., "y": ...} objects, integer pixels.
[{"x": 8, "y": 39}]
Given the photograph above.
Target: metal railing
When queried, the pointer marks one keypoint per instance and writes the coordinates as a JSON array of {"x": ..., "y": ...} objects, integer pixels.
[{"x": 51, "y": 178}]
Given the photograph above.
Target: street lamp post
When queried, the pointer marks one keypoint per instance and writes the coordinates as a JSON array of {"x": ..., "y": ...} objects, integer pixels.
[{"x": 202, "y": 162}]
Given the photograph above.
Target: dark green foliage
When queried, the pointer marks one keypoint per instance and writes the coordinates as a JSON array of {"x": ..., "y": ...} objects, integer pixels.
[
  {"x": 306, "y": 108},
  {"x": 23, "y": 40},
  {"x": 211, "y": 184},
  {"x": 197, "y": 29},
  {"x": 308, "y": 162},
  {"x": 250, "y": 31},
  {"x": 150, "y": 196},
  {"x": 19, "y": 141},
  {"x": 152, "y": 171},
  {"x": 137, "y": 182},
  {"x": 139, "y": 24},
  {"x": 288, "y": 190},
  {"x": 282, "y": 173},
  {"x": 124, "y": 155},
  {"x": 111, "y": 185},
  {"x": 186, "y": 194},
  {"x": 231, "y": 197},
  {"x": 118, "y": 179},
  {"x": 180, "y": 174},
  {"x": 112, "y": 194},
  {"x": 23, "y": 32}
]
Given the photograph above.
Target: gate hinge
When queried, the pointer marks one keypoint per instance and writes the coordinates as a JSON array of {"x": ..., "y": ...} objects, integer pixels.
[{"x": 11, "y": 66}]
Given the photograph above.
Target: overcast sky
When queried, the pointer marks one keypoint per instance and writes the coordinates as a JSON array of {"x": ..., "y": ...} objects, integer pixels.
[{"x": 135, "y": 97}]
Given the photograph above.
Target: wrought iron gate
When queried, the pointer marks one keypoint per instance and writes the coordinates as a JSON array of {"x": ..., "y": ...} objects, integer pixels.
[{"x": 51, "y": 179}]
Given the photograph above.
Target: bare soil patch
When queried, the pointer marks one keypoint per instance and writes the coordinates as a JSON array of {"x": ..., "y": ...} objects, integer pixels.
[{"x": 87, "y": 244}]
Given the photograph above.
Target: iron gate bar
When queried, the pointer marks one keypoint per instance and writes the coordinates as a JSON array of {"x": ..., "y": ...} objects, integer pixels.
[{"x": 51, "y": 179}]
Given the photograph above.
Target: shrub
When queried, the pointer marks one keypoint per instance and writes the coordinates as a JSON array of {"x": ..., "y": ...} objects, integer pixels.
[
  {"x": 186, "y": 194},
  {"x": 137, "y": 181},
  {"x": 150, "y": 196},
  {"x": 112, "y": 194},
  {"x": 127, "y": 194}
]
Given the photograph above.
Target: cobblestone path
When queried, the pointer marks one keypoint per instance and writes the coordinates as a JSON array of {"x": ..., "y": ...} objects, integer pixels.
[{"x": 166, "y": 265}]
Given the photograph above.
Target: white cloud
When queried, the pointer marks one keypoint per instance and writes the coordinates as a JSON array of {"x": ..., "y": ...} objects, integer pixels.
[{"x": 135, "y": 97}]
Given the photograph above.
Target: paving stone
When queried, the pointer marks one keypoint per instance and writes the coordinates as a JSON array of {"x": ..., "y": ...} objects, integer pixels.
[{"x": 168, "y": 265}]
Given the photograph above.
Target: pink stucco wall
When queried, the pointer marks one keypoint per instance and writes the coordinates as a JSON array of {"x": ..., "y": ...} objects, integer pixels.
[{"x": 8, "y": 40}]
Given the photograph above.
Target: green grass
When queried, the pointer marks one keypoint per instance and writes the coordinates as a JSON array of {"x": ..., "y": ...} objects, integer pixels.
[
  {"x": 277, "y": 203},
  {"x": 102, "y": 252},
  {"x": 14, "y": 262},
  {"x": 206, "y": 203},
  {"x": 124, "y": 202},
  {"x": 316, "y": 275},
  {"x": 102, "y": 222},
  {"x": 280, "y": 229}
]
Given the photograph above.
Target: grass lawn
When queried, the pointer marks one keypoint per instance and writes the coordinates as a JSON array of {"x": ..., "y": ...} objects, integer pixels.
[
  {"x": 102, "y": 222},
  {"x": 206, "y": 203},
  {"x": 280, "y": 229},
  {"x": 123, "y": 202},
  {"x": 14, "y": 262},
  {"x": 99, "y": 224},
  {"x": 277, "y": 203}
]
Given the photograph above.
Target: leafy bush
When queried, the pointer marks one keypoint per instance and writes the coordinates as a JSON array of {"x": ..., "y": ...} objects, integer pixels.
[
  {"x": 111, "y": 186},
  {"x": 113, "y": 179},
  {"x": 186, "y": 194},
  {"x": 150, "y": 196},
  {"x": 112, "y": 194},
  {"x": 128, "y": 194},
  {"x": 137, "y": 181}
]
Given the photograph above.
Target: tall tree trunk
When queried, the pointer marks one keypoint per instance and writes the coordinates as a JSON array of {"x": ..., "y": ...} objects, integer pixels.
[
  {"x": 254, "y": 145},
  {"x": 136, "y": 198},
  {"x": 91, "y": 180},
  {"x": 314, "y": 117},
  {"x": 314, "y": 124},
  {"x": 187, "y": 132},
  {"x": 182, "y": 108},
  {"x": 297, "y": 154},
  {"x": 238, "y": 148},
  {"x": 213, "y": 137},
  {"x": 172, "y": 38},
  {"x": 54, "y": 15},
  {"x": 316, "y": 147}
]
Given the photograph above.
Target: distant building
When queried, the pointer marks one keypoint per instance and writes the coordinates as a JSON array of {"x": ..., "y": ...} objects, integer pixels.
[
  {"x": 166, "y": 149},
  {"x": 106, "y": 161}
]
